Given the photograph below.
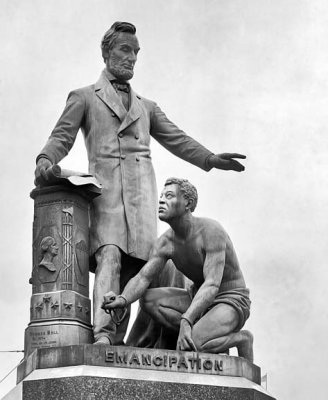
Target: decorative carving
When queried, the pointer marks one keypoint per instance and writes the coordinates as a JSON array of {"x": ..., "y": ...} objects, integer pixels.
[
  {"x": 39, "y": 306},
  {"x": 46, "y": 298},
  {"x": 81, "y": 267},
  {"x": 87, "y": 311},
  {"x": 68, "y": 306},
  {"x": 67, "y": 235},
  {"x": 81, "y": 251},
  {"x": 60, "y": 277},
  {"x": 49, "y": 251},
  {"x": 54, "y": 305}
]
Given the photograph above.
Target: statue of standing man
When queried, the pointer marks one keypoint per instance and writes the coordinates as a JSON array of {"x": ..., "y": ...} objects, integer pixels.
[{"x": 117, "y": 125}]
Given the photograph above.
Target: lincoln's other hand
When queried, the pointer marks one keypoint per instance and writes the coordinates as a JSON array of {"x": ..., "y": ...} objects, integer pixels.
[
  {"x": 226, "y": 161},
  {"x": 41, "y": 168}
]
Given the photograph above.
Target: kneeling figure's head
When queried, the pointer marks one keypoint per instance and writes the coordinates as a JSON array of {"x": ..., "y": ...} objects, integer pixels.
[{"x": 178, "y": 197}]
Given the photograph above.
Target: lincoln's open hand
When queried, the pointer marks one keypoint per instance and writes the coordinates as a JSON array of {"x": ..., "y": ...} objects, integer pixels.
[
  {"x": 185, "y": 341},
  {"x": 226, "y": 161}
]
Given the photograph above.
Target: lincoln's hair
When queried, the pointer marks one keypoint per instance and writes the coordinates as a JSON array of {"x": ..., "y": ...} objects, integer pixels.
[
  {"x": 111, "y": 35},
  {"x": 188, "y": 190},
  {"x": 46, "y": 243}
]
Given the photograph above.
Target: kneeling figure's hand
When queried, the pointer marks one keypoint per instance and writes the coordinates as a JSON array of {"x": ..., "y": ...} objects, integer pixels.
[
  {"x": 185, "y": 341},
  {"x": 112, "y": 301}
]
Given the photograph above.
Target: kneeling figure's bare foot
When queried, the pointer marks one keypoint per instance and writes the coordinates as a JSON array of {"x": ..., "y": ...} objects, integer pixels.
[{"x": 245, "y": 348}]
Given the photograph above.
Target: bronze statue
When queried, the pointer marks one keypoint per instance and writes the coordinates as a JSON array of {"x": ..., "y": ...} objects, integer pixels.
[
  {"x": 117, "y": 125},
  {"x": 209, "y": 317}
]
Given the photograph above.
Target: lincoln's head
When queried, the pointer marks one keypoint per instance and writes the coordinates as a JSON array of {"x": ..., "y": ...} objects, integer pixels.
[
  {"x": 178, "y": 197},
  {"x": 48, "y": 245},
  {"x": 120, "y": 48}
]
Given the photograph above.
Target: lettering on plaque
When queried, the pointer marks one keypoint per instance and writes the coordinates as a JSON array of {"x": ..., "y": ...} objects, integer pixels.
[
  {"x": 44, "y": 338},
  {"x": 134, "y": 359},
  {"x": 145, "y": 359},
  {"x": 121, "y": 358},
  {"x": 170, "y": 362},
  {"x": 182, "y": 363}
]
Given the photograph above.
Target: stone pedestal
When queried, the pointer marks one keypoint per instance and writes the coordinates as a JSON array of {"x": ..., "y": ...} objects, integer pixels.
[
  {"x": 88, "y": 372},
  {"x": 60, "y": 311}
]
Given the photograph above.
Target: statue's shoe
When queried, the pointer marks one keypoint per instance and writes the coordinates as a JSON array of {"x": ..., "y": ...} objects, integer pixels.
[{"x": 103, "y": 340}]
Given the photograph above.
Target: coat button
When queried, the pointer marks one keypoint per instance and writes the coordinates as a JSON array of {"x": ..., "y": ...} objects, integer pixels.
[
  {"x": 113, "y": 115},
  {"x": 138, "y": 158},
  {"x": 136, "y": 136},
  {"x": 120, "y": 134},
  {"x": 123, "y": 156}
]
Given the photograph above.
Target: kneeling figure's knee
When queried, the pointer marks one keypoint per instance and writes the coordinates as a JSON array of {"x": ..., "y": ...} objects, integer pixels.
[
  {"x": 147, "y": 303},
  {"x": 198, "y": 340}
]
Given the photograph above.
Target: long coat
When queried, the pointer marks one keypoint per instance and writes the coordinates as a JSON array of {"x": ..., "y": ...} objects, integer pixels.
[{"x": 117, "y": 143}]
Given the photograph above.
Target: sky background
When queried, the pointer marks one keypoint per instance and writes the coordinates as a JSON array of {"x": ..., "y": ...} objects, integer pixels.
[{"x": 245, "y": 76}]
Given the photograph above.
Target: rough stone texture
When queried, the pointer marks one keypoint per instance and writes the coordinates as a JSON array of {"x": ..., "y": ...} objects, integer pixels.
[
  {"x": 136, "y": 358},
  {"x": 96, "y": 388}
]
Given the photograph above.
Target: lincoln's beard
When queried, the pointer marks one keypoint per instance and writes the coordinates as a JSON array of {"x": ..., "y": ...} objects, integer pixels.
[{"x": 120, "y": 73}]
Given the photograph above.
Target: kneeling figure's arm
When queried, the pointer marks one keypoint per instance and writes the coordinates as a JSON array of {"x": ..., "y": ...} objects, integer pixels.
[{"x": 137, "y": 286}]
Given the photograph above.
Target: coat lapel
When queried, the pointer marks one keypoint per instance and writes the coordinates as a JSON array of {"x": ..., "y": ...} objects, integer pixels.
[
  {"x": 105, "y": 91},
  {"x": 134, "y": 112}
]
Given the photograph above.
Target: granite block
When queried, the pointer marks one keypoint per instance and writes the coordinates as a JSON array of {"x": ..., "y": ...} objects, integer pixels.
[{"x": 97, "y": 388}]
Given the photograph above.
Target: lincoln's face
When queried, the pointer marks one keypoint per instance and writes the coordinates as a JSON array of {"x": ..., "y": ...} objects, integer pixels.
[
  {"x": 172, "y": 203},
  {"x": 53, "y": 249},
  {"x": 123, "y": 56}
]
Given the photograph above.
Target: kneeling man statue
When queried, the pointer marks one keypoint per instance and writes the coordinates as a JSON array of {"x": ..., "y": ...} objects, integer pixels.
[{"x": 210, "y": 315}]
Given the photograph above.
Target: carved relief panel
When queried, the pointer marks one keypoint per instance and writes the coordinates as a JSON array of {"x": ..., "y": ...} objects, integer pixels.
[{"x": 60, "y": 242}]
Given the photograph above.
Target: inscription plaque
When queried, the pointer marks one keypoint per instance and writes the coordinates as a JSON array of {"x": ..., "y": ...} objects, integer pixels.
[{"x": 176, "y": 362}]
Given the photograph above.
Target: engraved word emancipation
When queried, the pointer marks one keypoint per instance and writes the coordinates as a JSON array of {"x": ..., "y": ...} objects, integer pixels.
[{"x": 176, "y": 362}]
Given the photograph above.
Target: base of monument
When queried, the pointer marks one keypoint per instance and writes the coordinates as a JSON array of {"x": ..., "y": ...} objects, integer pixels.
[
  {"x": 106, "y": 372},
  {"x": 56, "y": 333}
]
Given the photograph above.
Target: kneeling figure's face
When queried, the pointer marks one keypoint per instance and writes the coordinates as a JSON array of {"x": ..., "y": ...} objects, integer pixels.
[{"x": 172, "y": 203}]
